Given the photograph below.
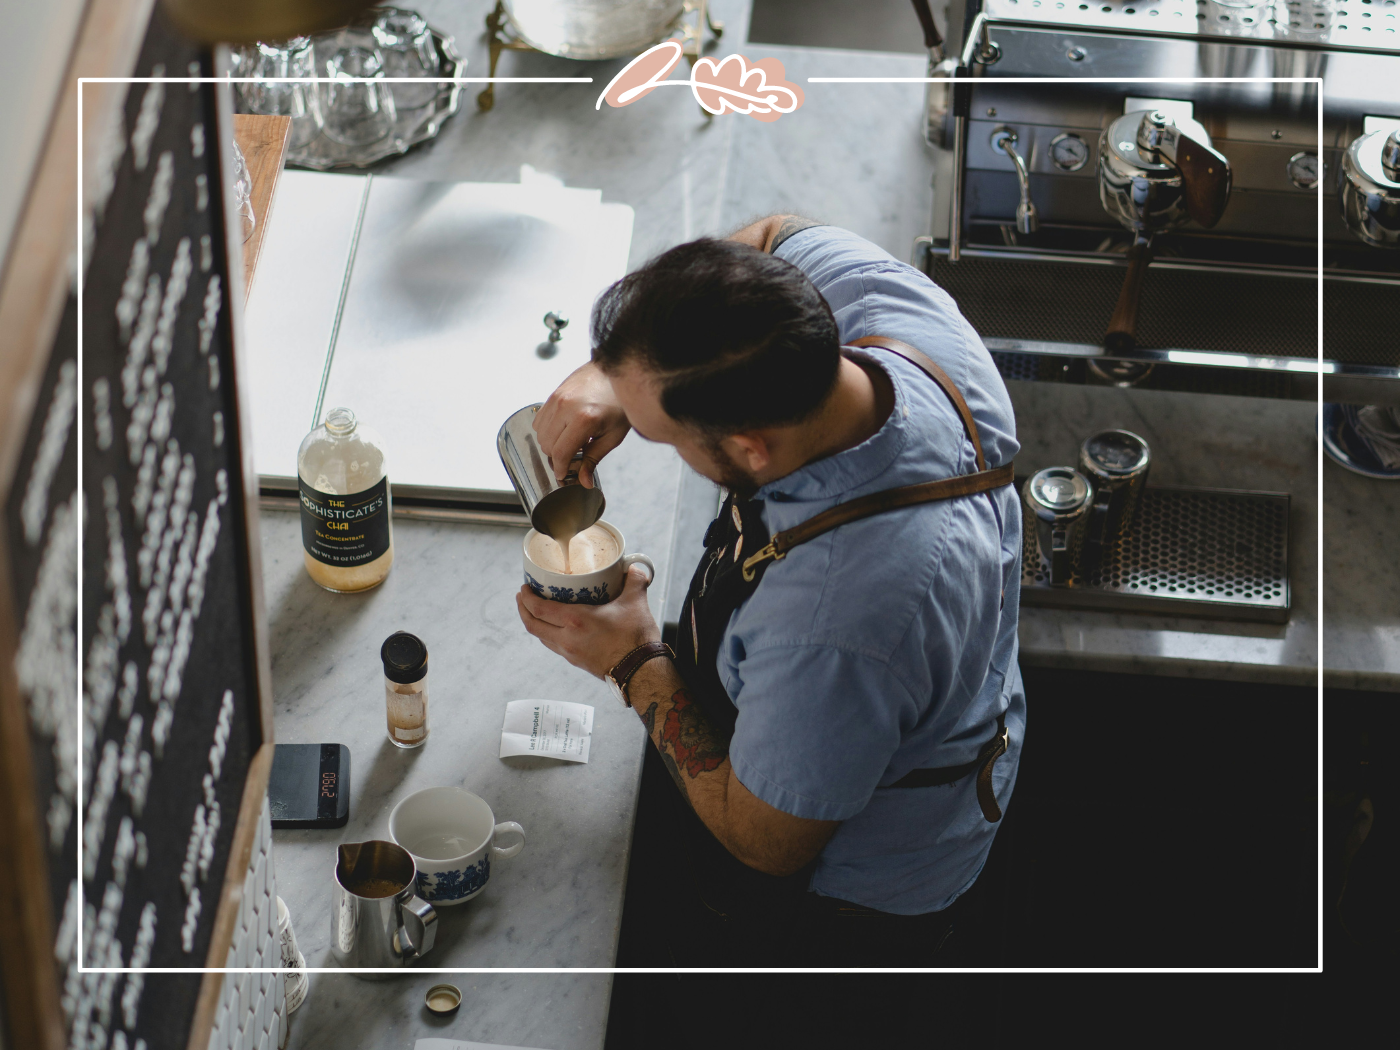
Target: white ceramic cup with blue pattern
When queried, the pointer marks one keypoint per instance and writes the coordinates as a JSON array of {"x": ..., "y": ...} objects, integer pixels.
[
  {"x": 583, "y": 588},
  {"x": 451, "y": 835}
]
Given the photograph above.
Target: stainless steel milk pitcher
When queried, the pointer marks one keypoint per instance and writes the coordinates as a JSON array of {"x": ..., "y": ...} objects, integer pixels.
[
  {"x": 556, "y": 508},
  {"x": 1057, "y": 502},
  {"x": 374, "y": 884},
  {"x": 1116, "y": 464}
]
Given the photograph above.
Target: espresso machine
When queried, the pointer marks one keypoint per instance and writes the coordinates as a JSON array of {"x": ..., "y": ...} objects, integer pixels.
[{"x": 1170, "y": 234}]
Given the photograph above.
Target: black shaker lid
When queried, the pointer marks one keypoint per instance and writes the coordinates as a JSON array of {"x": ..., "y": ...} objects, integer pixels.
[{"x": 405, "y": 658}]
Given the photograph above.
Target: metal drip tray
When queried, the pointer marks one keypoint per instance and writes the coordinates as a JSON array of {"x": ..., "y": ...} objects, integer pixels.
[{"x": 1219, "y": 553}]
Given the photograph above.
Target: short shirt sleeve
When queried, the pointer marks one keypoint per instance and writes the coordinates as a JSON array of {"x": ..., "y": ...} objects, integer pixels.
[{"x": 816, "y": 743}]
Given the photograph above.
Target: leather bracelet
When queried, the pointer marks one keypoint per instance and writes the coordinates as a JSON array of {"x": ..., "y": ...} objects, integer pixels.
[{"x": 625, "y": 668}]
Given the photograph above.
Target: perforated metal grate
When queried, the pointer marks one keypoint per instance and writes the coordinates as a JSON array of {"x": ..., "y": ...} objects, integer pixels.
[
  {"x": 1203, "y": 552},
  {"x": 1016, "y": 366}
]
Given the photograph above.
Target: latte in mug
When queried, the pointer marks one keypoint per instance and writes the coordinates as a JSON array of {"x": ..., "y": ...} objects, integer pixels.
[
  {"x": 595, "y": 573},
  {"x": 590, "y": 550}
]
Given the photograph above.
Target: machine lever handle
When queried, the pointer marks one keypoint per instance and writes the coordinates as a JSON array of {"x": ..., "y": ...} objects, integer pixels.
[
  {"x": 931, "y": 37},
  {"x": 1205, "y": 180},
  {"x": 1123, "y": 324}
]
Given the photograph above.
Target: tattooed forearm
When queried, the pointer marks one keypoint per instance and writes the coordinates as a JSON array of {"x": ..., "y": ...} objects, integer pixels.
[
  {"x": 687, "y": 735},
  {"x": 686, "y": 739},
  {"x": 790, "y": 224}
]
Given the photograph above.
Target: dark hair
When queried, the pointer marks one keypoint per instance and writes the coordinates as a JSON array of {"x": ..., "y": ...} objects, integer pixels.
[{"x": 740, "y": 338}]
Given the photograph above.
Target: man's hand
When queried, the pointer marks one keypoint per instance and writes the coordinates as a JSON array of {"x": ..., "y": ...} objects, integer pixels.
[
  {"x": 581, "y": 413},
  {"x": 593, "y": 637}
]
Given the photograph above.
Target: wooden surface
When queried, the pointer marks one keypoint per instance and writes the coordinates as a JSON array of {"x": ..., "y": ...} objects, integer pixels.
[
  {"x": 212, "y": 986},
  {"x": 263, "y": 141},
  {"x": 33, "y": 287}
]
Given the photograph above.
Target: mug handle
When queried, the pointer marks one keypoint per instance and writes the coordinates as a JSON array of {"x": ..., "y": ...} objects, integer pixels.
[
  {"x": 427, "y": 917},
  {"x": 628, "y": 560},
  {"x": 502, "y": 852}
]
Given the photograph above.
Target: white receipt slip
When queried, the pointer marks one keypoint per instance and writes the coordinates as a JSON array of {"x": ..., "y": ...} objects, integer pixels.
[
  {"x": 551, "y": 728},
  {"x": 459, "y": 1044}
]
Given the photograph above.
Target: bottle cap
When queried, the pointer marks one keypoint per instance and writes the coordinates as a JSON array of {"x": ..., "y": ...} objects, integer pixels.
[
  {"x": 443, "y": 998},
  {"x": 405, "y": 658}
]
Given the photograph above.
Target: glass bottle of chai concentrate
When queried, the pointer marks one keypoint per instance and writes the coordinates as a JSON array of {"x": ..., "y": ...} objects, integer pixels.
[{"x": 347, "y": 530}]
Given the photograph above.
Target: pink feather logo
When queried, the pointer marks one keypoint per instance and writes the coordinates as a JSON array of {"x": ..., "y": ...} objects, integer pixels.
[{"x": 731, "y": 85}]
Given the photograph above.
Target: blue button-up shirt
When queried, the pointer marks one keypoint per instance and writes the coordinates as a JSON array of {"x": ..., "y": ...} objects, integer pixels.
[{"x": 888, "y": 644}]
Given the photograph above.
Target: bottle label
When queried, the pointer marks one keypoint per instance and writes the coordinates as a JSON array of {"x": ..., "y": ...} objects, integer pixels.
[{"x": 345, "y": 530}]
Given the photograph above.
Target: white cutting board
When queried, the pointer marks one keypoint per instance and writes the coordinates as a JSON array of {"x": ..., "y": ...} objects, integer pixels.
[
  {"x": 444, "y": 312},
  {"x": 291, "y": 309}
]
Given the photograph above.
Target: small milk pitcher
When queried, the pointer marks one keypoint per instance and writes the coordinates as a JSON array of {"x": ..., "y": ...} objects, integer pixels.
[{"x": 374, "y": 895}]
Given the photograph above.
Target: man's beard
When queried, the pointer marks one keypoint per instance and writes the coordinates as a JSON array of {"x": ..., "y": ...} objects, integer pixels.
[{"x": 729, "y": 474}]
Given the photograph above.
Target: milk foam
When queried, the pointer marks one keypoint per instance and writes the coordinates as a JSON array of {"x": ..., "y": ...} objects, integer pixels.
[{"x": 592, "y": 549}]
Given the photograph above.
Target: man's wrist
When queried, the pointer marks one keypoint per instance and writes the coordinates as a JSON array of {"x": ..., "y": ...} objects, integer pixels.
[
  {"x": 621, "y": 674},
  {"x": 656, "y": 679}
]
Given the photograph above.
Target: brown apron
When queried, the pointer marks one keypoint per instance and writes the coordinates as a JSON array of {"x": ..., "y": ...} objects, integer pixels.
[{"x": 738, "y": 552}]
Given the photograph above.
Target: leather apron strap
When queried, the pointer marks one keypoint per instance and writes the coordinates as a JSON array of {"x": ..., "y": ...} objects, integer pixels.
[{"x": 983, "y": 480}]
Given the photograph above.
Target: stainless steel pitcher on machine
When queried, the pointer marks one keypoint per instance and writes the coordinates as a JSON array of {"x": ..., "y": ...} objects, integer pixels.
[
  {"x": 1056, "y": 504},
  {"x": 1116, "y": 463}
]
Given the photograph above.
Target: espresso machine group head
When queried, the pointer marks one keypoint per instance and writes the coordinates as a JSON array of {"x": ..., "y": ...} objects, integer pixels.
[
  {"x": 1155, "y": 175},
  {"x": 1369, "y": 188}
]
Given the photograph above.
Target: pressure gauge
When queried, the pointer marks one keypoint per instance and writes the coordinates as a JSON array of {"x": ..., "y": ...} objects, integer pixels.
[
  {"x": 1302, "y": 170},
  {"x": 1068, "y": 152}
]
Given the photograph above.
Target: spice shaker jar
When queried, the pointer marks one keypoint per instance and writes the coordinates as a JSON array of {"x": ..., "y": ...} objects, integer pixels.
[
  {"x": 347, "y": 534},
  {"x": 405, "y": 660}
]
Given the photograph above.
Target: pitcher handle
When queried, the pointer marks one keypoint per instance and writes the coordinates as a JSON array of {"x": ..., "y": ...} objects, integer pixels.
[
  {"x": 427, "y": 918},
  {"x": 502, "y": 852}
]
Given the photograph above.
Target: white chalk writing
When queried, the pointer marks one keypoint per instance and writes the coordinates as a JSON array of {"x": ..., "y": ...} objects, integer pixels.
[
  {"x": 47, "y": 659},
  {"x": 102, "y": 414},
  {"x": 147, "y": 120},
  {"x": 159, "y": 198},
  {"x": 34, "y": 511}
]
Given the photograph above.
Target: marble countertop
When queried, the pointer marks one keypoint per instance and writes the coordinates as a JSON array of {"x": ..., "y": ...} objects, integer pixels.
[
  {"x": 1200, "y": 440},
  {"x": 1361, "y": 590},
  {"x": 559, "y": 902}
]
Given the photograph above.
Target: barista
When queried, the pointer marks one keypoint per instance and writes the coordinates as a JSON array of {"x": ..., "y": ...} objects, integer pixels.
[{"x": 843, "y": 714}]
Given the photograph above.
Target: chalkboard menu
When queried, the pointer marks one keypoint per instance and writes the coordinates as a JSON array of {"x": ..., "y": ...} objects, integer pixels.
[{"x": 139, "y": 658}]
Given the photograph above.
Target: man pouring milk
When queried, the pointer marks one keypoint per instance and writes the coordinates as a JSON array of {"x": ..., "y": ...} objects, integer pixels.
[{"x": 842, "y": 715}]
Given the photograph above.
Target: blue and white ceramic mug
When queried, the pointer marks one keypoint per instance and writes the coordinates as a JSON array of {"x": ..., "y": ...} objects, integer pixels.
[
  {"x": 581, "y": 588},
  {"x": 451, "y": 835}
]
